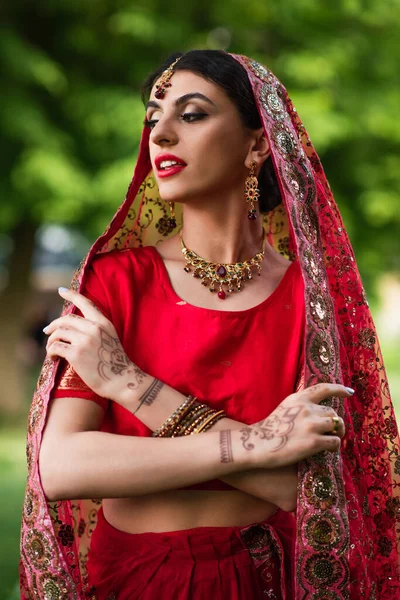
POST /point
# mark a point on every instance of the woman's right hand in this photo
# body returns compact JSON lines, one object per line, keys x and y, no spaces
{"x":298,"y":428}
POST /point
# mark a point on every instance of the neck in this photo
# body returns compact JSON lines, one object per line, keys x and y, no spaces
{"x":221,"y":233}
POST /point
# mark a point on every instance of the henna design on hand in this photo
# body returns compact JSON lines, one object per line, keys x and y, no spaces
{"x":92,"y":304}
{"x":277,"y":426}
{"x":225,"y":446}
{"x":139,"y":376}
{"x":150,"y":394}
{"x":114,"y":358}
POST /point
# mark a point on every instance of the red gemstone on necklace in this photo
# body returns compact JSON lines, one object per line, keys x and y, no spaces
{"x":221,"y":295}
{"x":221,"y":271}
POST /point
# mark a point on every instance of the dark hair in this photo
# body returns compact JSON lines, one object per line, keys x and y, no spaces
{"x":223,"y":70}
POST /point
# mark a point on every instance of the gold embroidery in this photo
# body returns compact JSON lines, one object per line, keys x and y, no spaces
{"x":260,"y":71}
{"x":319,"y":308}
{"x":319,"y":489}
{"x":56,"y":587}
{"x":31,"y":506}
{"x":35,"y":413}
{"x":272,"y":103}
{"x":285,"y":142}
{"x":323,"y":531}
{"x":70,"y":380}
{"x":308,"y":223}
{"x":294,"y":180}
{"x":38,"y":549}
{"x":367,"y":338}
{"x":323,"y":568}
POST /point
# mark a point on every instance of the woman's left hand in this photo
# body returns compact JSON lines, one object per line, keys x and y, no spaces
{"x":92,"y":347}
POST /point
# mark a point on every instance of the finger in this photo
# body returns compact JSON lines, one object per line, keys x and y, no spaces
{"x":63,"y":334}
{"x":86,"y":306}
{"x":318,"y":392}
{"x":331,"y":443}
{"x":329,"y":425}
{"x":323,"y":411}
{"x":73,"y":322}
{"x":59,"y":349}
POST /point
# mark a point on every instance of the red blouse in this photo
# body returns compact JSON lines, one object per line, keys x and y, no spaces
{"x":245,"y":362}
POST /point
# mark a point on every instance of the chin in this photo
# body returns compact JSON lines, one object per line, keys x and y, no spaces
{"x":172,"y":193}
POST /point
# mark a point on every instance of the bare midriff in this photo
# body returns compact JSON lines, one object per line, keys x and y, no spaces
{"x":185,"y":509}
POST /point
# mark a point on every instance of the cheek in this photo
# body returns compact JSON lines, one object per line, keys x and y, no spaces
{"x":220,"y":148}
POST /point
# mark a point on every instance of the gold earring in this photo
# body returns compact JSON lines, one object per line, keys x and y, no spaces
{"x":172,"y":218}
{"x":251,"y":192}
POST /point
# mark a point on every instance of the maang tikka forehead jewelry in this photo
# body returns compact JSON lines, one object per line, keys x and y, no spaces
{"x":251,"y":192}
{"x":163,"y":82}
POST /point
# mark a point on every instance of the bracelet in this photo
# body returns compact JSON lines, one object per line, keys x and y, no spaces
{"x":189,"y":418}
{"x":192,"y":416}
{"x":168,"y":427}
{"x":197,"y":422}
{"x":208,"y":423}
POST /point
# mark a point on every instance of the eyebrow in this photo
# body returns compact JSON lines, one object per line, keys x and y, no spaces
{"x":182,"y":100}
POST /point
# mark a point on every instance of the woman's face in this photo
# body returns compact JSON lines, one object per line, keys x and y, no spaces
{"x":197,"y":125}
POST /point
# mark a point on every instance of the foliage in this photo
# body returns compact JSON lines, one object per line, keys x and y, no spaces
{"x":13,"y":477}
{"x":71,"y":116}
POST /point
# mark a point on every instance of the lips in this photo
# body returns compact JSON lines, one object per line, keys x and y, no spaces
{"x":162,"y":158}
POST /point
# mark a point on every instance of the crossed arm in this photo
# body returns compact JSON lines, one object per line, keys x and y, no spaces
{"x":158,"y":401}
{"x":267,"y":451}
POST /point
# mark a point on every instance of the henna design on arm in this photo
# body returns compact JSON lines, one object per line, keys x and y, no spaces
{"x":114,"y":358}
{"x":225,"y":446}
{"x":277,"y":427}
{"x":150,"y":394}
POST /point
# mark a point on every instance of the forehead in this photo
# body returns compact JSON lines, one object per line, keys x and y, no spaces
{"x":186,"y":82}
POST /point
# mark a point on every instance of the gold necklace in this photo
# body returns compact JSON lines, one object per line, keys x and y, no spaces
{"x":216,"y":275}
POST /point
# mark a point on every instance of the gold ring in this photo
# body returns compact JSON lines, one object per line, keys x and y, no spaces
{"x":336,"y":423}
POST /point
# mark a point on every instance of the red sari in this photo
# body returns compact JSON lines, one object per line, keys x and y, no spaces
{"x":347,"y":542}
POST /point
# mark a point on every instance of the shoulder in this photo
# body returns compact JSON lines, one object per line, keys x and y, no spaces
{"x":277,"y":267}
{"x":121,"y":272}
{"x":115,"y":263}
{"x":113,"y":277}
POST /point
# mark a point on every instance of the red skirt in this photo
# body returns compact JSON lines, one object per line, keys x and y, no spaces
{"x":222,"y":563}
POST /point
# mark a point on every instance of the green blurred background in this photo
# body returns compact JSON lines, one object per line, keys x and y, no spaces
{"x":71,"y":116}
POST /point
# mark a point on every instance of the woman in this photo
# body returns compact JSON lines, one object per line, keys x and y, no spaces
{"x":255,"y":371}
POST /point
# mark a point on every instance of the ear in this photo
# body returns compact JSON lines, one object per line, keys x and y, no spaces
{"x":259,"y":149}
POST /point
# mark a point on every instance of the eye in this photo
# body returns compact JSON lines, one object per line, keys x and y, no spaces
{"x":150,"y":123}
{"x":188,"y":117}
{"x":191,"y":117}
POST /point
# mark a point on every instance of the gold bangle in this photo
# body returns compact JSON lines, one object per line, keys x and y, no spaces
{"x":192,"y":414}
{"x":216,"y":416}
{"x":169,"y":425}
{"x":191,"y":429}
{"x":190,"y":419}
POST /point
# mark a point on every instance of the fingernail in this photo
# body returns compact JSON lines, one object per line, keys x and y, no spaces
{"x":62,"y":290}
{"x":45,"y":329}
{"x":350,"y":390}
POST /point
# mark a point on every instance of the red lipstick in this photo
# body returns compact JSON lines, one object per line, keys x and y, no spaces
{"x":169,"y":170}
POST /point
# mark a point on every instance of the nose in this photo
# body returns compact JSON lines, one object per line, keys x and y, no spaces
{"x":164,"y":133}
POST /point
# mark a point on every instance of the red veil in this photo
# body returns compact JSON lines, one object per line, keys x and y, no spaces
{"x":349,"y":503}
